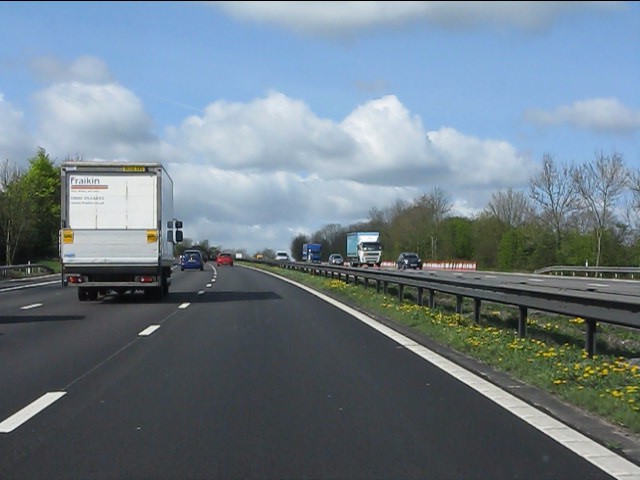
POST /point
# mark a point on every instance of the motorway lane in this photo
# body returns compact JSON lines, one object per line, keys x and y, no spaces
{"x":581,"y":285}
{"x":258,"y":379}
{"x":49,"y":339}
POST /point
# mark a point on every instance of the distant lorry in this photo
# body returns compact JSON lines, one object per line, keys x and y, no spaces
{"x":117,"y":229}
{"x":364,"y":248}
{"x":311,"y":252}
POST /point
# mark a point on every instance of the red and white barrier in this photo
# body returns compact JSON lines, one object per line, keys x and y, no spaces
{"x":452,"y":265}
{"x":448,"y":265}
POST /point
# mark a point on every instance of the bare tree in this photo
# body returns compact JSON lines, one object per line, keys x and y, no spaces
{"x":511,"y":207}
{"x":436,"y":205}
{"x":632,"y":213}
{"x":600,"y":186}
{"x":553,"y":190}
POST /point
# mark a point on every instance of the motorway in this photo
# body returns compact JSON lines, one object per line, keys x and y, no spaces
{"x":239,"y":374}
{"x":607,"y":287}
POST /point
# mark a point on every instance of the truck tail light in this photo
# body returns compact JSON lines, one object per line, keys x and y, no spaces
{"x":145,"y":279}
{"x":75,"y":279}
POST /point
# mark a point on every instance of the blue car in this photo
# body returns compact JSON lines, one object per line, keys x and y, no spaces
{"x":192,"y":260}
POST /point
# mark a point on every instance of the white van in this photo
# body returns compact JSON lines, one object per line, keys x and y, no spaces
{"x":282,"y":256}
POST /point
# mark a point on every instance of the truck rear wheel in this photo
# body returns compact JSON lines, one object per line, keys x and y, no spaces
{"x":154,"y":293}
{"x":83,"y":294}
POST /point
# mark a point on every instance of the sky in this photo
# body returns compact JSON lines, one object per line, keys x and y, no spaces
{"x":276,"y":119}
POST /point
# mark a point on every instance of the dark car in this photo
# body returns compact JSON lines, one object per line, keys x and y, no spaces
{"x":192,"y":260}
{"x":224,"y":258}
{"x":408,"y":260}
{"x":336,"y":259}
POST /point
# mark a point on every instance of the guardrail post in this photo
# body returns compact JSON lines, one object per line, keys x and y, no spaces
{"x":590,"y":339}
{"x":522,"y":322}
{"x":400,"y":292}
{"x":432,"y":298}
{"x":420,"y":295}
{"x":476,"y":310}
{"x":386,"y":288}
{"x":378,"y":285}
{"x":459,"y":303}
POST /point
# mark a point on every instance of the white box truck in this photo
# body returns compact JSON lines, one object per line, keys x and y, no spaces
{"x":364,"y":248}
{"x":117,"y":229}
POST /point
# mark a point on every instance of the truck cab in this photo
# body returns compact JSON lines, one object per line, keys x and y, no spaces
{"x":364,"y":248}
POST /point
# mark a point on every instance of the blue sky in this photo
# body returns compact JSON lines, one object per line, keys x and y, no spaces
{"x":278,"y":118}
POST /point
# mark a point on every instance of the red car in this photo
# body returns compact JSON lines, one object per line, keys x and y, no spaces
{"x":224,"y":259}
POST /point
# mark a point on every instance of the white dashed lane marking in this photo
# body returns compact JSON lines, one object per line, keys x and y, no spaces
{"x":31,"y":410}
{"x":29,"y":307}
{"x":149,"y":330}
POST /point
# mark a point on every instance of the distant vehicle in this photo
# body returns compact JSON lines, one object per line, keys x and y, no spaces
{"x":312,"y":252}
{"x":192,"y":260}
{"x":282,"y":256}
{"x":224,"y":258}
{"x":336,"y":259}
{"x":364,"y":248}
{"x":408,"y":260}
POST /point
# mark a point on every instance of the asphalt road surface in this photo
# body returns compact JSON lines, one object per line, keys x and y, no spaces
{"x":238,"y":374}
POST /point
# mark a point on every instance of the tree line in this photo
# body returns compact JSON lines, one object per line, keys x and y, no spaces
{"x":569,"y":214}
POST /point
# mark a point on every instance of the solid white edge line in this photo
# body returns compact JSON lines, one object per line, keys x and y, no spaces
{"x":31,"y":285}
{"x":31,"y":410}
{"x":598,"y":455}
{"x":149,"y":330}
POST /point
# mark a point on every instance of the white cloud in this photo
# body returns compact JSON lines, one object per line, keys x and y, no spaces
{"x":93,"y":121}
{"x":265,"y":134}
{"x":346,"y":18}
{"x":599,"y":115}
{"x":473,"y":163}
{"x":16,"y":144}
{"x":253,"y":175}
{"x":256,"y":210}
{"x":266,"y":167}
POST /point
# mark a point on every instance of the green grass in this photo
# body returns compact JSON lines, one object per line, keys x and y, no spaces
{"x":53,"y":264}
{"x":551,"y":357}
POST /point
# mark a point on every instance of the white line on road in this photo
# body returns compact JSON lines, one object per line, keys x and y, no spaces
{"x":29,"y":307}
{"x":31,"y":285}
{"x":31,"y":410}
{"x":184,"y":305}
{"x":597,"y":285}
{"x":535,"y":280}
{"x":200,"y":292}
{"x":149,"y":330}
{"x":208,"y":285}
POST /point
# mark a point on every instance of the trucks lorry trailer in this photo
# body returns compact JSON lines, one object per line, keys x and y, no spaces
{"x":364,"y":248}
{"x":117,"y":229}
{"x":311,"y":252}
